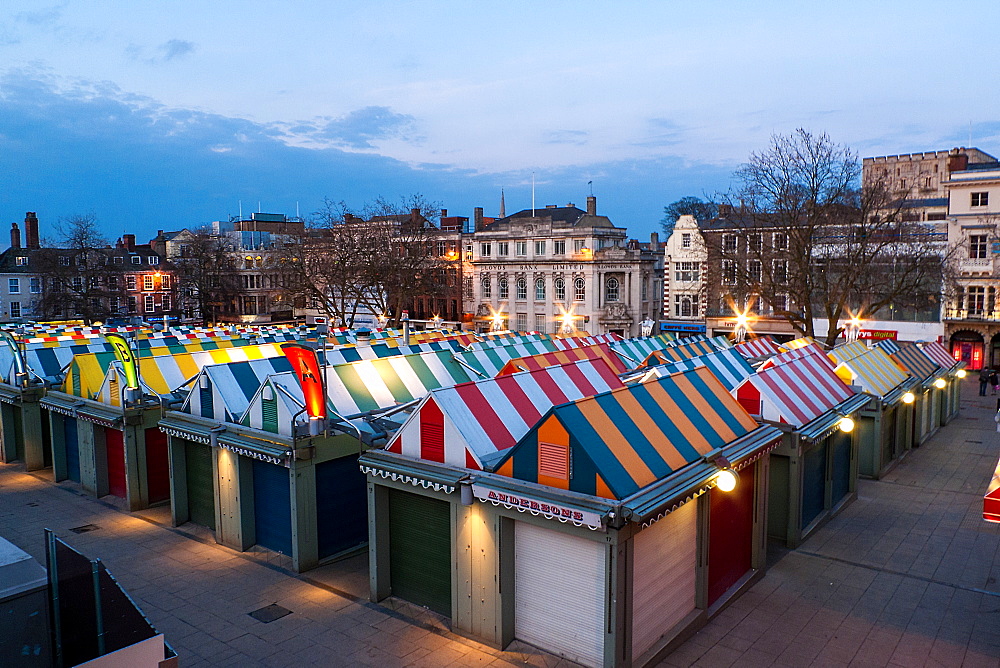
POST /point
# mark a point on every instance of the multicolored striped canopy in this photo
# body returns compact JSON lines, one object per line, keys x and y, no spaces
{"x":914,"y":361}
{"x":869,"y":368}
{"x":628,"y":438}
{"x":729,"y":366}
{"x":594,"y":351}
{"x":760,"y":347}
{"x":798,"y":390}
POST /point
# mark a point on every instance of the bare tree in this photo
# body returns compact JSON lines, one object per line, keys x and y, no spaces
{"x":801,"y":238}
{"x":690,"y":206}
{"x":205,"y":268}
{"x":78,"y":280}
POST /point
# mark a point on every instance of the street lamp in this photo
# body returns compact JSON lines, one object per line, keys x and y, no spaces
{"x":567,"y":323}
{"x":496,"y":325}
{"x":742,"y":325}
{"x":852,"y":329}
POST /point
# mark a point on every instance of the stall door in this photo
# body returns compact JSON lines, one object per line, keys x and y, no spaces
{"x":559,"y":593}
{"x":341,"y":506}
{"x":272,"y":505}
{"x":420,"y":550}
{"x":813,"y":483}
{"x":730,"y":535}
{"x":72,"y":441}
{"x":841,"y":444}
{"x":157,"y":466}
{"x":889,"y":447}
{"x":115,"y":446}
{"x":200,"y":484}
{"x":663,"y":576}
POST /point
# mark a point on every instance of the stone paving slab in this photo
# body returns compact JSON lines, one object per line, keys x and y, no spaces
{"x":907,"y":575}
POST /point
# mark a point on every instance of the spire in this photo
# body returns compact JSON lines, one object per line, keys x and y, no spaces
{"x":503,"y":208}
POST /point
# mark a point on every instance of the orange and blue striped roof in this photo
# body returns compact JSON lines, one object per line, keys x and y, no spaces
{"x":728,"y":366}
{"x":596,"y":351}
{"x":676,"y":353}
{"x":628,"y":438}
{"x":915,"y":361}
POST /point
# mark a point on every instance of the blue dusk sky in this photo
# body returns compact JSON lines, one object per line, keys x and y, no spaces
{"x":169,"y":114}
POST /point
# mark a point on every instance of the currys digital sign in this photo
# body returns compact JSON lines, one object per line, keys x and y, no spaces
{"x":306,"y":366}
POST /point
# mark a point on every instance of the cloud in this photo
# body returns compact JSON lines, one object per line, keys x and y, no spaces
{"x":172,"y":49}
{"x":41,"y":17}
{"x":361,"y":127}
{"x":573,"y":137}
{"x":661,"y":132}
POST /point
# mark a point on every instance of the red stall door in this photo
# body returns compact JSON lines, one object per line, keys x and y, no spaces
{"x":115,"y":442}
{"x":157,"y":466}
{"x":730,"y":535}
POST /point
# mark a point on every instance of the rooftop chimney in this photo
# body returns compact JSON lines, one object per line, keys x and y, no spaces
{"x":654,"y":241}
{"x":958,"y":160}
{"x":128,"y":241}
{"x":31,"y":230}
{"x":478,"y":217}
{"x":444,"y":213}
{"x":15,"y":236}
{"x":592,"y":205}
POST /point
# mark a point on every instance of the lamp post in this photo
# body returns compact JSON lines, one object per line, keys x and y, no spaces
{"x":566,"y":320}
{"x":496,"y":325}
{"x":852,"y":329}
{"x":742,"y":325}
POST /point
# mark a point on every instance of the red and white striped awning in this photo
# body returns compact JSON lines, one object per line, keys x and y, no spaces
{"x":799,"y":389}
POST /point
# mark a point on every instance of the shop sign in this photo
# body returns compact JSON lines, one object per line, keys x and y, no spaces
{"x":671,"y":326}
{"x":878,"y":334}
{"x":538,"y":507}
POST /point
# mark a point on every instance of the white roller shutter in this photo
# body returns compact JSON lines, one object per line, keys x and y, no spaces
{"x":663,"y":576}
{"x":559,"y":593}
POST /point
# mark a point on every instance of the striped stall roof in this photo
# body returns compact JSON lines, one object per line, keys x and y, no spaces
{"x":610,"y":337}
{"x":798,"y":353}
{"x":720,"y":342}
{"x":382,"y":383}
{"x":937,"y":352}
{"x":677,"y":353}
{"x":628,"y":438}
{"x":729,"y":366}
{"x":888,"y":345}
{"x":800,"y":389}
{"x":596,"y":351}
{"x":165,"y":373}
{"x":634,"y":351}
{"x":760,"y":347}
{"x":798,"y":343}
{"x":509,"y":339}
{"x":483,"y":418}
{"x":916,"y":362}
{"x":222,"y":392}
{"x":846,"y":351}
{"x":491,"y":359}
{"x":871,"y":369}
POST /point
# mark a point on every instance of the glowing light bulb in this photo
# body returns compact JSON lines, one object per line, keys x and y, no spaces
{"x":846,"y":425}
{"x":939,"y":383}
{"x":726,"y":480}
{"x":908,"y":398}
{"x":960,"y":373}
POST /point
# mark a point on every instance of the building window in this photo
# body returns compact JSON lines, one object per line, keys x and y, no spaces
{"x":754,"y":271}
{"x":780,"y":241}
{"x":612,"y":290}
{"x":685,"y":306}
{"x":522,"y":289}
{"x":521,"y":248}
{"x":14,"y":285}
{"x":136,"y":259}
{"x":133,"y":305}
{"x":64,"y":260}
{"x":539,"y":289}
{"x":976,"y":299}
{"x":503,"y":248}
{"x":779,"y":303}
{"x":165,"y":282}
{"x":578,"y":245}
{"x":755,"y":242}
{"x":15,"y":309}
{"x":644,"y":291}
{"x":729,"y":243}
{"x":780,"y":270}
{"x":487,"y":288}
{"x":78,"y":283}
{"x":560,"y":287}
{"x":686,"y":240}
{"x":522,"y":322}
{"x":580,"y":287}
{"x":980,"y":199}
{"x":153,"y":259}
{"x":503,"y":288}
{"x":35,"y":284}
{"x":485,"y":249}
{"x":166,"y":302}
{"x":539,"y":249}
{"x":977,"y":246}
{"x":559,"y":247}
{"x":130,"y":282}
{"x":150,"y":304}
{"x":686,"y":271}
{"x":21,"y":260}
{"x":147,"y":282}
{"x":440,"y":248}
{"x":729,"y":272}
{"x":118,"y":259}
{"x":540,"y":323}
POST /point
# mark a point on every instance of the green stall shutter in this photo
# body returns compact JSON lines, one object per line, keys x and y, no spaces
{"x":420,"y":550}
{"x":269,"y":415}
{"x":841,"y":444}
{"x":813,"y":483}
{"x":200,"y":484}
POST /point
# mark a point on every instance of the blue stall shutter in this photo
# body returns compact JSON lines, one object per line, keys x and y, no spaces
{"x":272,"y":507}
{"x":72,"y":448}
{"x":341,"y":506}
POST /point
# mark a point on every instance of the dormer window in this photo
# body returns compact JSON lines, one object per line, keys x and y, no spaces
{"x":136,"y":259}
{"x":153,"y":259}
{"x":21,"y":260}
{"x":119,"y":259}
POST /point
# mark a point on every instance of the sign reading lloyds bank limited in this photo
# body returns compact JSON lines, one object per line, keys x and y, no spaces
{"x":540,"y":265}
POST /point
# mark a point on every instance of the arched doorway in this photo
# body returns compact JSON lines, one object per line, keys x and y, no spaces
{"x":969,"y":347}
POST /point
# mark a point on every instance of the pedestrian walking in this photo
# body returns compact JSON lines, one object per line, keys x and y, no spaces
{"x":984,"y":380}
{"x":994,"y":380}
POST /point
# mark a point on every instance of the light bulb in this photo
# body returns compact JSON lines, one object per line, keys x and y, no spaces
{"x":908,"y":398}
{"x":846,"y":425}
{"x":726,"y":480}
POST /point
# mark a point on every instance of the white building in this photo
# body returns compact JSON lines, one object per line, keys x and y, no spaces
{"x":684,"y":293}
{"x":536,"y":270}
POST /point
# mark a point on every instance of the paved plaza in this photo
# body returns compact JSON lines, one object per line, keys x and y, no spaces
{"x":904,"y":576}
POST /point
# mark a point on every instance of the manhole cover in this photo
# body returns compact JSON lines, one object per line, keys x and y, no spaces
{"x":85,"y":528}
{"x":269,"y":613}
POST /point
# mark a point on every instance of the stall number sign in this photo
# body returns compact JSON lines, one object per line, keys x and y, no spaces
{"x":546,"y":508}
{"x":877,"y":334}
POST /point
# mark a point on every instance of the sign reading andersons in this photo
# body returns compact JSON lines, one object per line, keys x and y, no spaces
{"x":546,"y":508}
